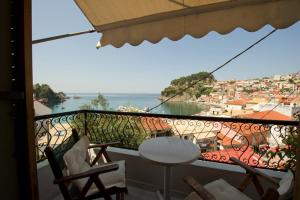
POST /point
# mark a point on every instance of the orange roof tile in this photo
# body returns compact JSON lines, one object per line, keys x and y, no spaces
{"x":154,"y":124}
{"x":240,"y":102}
{"x":268,"y":114}
{"x":233,"y":133}
{"x":230,"y":138}
{"x":243,"y":153}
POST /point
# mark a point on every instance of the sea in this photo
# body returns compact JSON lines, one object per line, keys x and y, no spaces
{"x":140,"y":101}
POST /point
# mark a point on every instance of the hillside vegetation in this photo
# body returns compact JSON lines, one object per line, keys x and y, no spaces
{"x":44,"y":93}
{"x":203,"y":87}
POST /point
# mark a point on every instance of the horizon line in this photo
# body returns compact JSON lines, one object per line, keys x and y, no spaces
{"x":112,"y":92}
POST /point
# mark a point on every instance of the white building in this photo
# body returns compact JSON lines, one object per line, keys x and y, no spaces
{"x":287,"y":110}
{"x":235,"y":105}
{"x":276,"y":77}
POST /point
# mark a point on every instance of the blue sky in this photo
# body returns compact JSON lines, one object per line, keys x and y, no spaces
{"x":74,"y":64}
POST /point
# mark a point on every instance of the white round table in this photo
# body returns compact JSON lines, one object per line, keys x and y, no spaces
{"x":169,"y":151}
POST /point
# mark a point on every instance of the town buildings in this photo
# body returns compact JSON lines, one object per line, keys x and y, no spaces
{"x":235,"y":98}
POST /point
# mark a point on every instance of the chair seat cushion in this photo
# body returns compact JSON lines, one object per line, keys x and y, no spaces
{"x":109,"y":179}
{"x":221,"y":190}
{"x":286,"y":186}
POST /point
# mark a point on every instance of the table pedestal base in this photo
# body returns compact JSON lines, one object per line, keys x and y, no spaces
{"x":167,"y":182}
{"x":172,"y":151}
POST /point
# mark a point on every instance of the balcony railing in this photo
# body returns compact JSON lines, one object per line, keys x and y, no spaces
{"x":218,"y":138}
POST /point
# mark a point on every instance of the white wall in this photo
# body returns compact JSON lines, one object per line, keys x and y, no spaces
{"x":283,"y":109}
{"x":233,"y":107}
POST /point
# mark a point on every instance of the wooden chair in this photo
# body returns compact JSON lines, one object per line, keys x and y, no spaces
{"x":193,"y":196}
{"x":220,"y":189}
{"x":92,"y":179}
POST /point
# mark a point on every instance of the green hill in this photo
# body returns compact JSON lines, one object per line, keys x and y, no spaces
{"x":43,"y":92}
{"x":201,"y":88}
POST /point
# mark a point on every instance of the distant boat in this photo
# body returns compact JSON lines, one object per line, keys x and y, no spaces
{"x":146,"y":109}
{"x":76,"y":97}
{"x":62,"y":105}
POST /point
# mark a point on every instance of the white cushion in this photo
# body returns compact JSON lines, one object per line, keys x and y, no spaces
{"x":222,"y":190}
{"x":75,"y":158}
{"x":93,"y":154}
{"x":286,"y":185}
{"x":111,"y":179}
{"x":76,"y":162}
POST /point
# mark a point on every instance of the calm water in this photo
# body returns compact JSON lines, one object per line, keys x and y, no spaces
{"x":136,"y":100}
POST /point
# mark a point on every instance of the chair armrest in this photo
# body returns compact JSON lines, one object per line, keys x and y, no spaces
{"x":104,"y":145}
{"x":254,"y":171}
{"x":102,"y":151}
{"x":198,"y":188}
{"x":92,"y":172}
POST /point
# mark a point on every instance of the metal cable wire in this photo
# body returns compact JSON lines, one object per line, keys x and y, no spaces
{"x":61,"y":36}
{"x":218,"y":68}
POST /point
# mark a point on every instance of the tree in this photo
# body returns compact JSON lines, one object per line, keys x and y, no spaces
{"x":292,"y":81}
{"x":169,"y":91}
{"x":248,"y":90}
{"x":104,"y":128}
{"x":288,"y":90}
{"x":45,"y":93}
{"x":85,"y":107}
{"x":288,"y":153}
{"x":201,"y":79}
{"x":61,"y":95}
{"x":100,"y":101}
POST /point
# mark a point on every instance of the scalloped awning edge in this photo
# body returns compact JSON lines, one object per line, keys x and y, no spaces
{"x":279,"y":14}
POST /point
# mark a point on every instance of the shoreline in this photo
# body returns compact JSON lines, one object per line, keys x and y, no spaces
{"x":176,"y":100}
{"x":139,"y":101}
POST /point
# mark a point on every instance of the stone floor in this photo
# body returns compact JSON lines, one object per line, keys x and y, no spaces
{"x":135,"y":193}
{"x":50,"y":191}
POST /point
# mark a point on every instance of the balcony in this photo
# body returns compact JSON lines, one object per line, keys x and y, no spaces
{"x":218,"y":138}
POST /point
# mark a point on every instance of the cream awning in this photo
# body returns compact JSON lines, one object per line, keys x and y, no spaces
{"x":133,"y":21}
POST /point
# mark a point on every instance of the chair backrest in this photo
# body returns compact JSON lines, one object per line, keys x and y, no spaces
{"x":55,"y":156}
{"x":286,"y":186}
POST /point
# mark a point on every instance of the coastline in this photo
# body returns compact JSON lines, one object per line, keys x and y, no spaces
{"x":181,"y":99}
{"x":139,"y":101}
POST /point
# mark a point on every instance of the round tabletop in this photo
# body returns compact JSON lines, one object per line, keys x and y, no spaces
{"x":169,"y":150}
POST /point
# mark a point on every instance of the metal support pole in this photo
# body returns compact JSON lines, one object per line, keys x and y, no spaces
{"x":167,"y":182}
{"x":61,"y":36}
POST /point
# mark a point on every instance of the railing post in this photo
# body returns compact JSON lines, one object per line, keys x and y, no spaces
{"x":297,"y":175}
{"x":85,"y":123}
